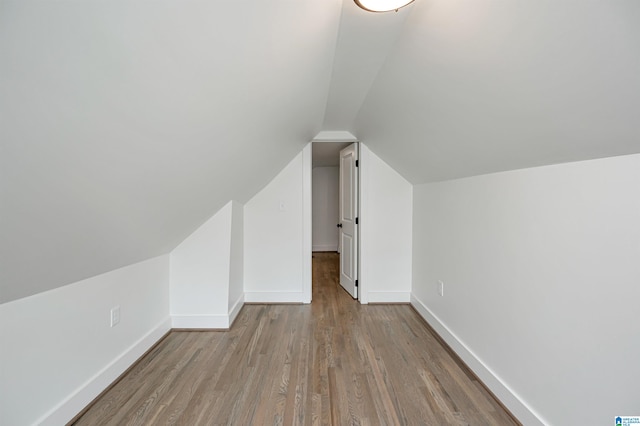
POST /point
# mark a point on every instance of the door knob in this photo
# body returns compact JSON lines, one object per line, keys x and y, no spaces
{"x":339,"y":225}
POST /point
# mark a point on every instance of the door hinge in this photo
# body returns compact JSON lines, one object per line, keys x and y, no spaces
{"x":356,"y":220}
{"x":356,"y":163}
{"x":356,"y":283}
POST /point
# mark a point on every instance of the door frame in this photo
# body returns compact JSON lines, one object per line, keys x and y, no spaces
{"x":307,"y":225}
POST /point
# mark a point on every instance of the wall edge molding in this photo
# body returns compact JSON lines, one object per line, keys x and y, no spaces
{"x":235,"y":309}
{"x":525,"y":414}
{"x":73,"y":404}
{"x":273,"y":297}
{"x":200,"y":321}
{"x":307,"y":224}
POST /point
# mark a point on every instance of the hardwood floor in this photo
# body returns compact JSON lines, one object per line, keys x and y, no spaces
{"x":334,"y":362}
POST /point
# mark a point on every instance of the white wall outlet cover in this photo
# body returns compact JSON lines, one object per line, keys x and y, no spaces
{"x":440,"y":288}
{"x":115,"y":315}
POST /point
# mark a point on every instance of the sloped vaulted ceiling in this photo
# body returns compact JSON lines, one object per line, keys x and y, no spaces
{"x":125,"y":124}
{"x":474,"y":87}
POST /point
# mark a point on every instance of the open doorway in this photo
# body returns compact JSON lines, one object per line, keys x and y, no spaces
{"x":334,"y":184}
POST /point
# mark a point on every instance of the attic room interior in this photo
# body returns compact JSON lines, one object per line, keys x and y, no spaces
{"x":156,"y":173}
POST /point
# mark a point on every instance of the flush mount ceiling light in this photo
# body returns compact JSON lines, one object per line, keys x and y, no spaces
{"x":382,"y":5}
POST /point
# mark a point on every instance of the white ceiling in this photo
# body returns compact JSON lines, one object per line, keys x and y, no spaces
{"x":125,"y":124}
{"x":364,"y":41}
{"x":474,"y":87}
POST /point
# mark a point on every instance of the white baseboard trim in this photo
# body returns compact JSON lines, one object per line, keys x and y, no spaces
{"x":389,"y":297}
{"x":525,"y":414}
{"x":76,"y":402}
{"x":273,"y":297}
{"x":235,"y":309}
{"x":218,"y":322}
{"x":325,"y":247}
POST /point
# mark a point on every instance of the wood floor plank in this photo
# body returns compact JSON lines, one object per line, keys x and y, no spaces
{"x":334,"y":362}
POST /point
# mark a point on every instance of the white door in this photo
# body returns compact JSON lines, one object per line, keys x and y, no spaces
{"x":349,"y":219}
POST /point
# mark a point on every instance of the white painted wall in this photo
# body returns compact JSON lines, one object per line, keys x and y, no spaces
{"x":59,"y":351}
{"x":541,"y":271}
{"x":273,"y":239}
{"x":236,"y":281}
{"x":386,"y":208}
{"x":200,"y":270}
{"x":325,"y":190}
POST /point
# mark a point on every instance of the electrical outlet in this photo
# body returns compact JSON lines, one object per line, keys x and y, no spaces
{"x":440,"y":288}
{"x":115,"y":315}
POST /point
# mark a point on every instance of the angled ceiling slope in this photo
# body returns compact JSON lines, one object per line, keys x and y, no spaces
{"x":124,"y":125}
{"x":365,"y":40}
{"x":474,"y":87}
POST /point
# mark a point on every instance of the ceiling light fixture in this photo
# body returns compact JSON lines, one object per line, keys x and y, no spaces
{"x":382,"y":5}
